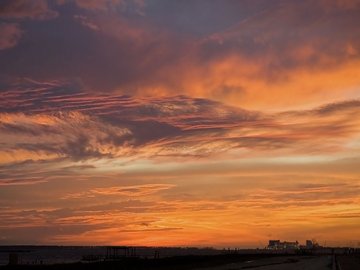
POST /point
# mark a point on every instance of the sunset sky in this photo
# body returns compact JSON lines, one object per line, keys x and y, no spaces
{"x":220,"y":123}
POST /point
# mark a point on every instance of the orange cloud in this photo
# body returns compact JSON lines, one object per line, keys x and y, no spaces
{"x":262,"y":143}
{"x":233,"y":222}
{"x":84,"y":126}
{"x":286,"y":55}
{"x":131,"y":191}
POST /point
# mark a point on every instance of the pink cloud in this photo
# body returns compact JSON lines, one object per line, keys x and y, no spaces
{"x":10,"y":34}
{"x":27,"y":9}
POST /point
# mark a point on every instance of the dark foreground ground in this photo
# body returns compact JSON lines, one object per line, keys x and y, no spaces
{"x":217,"y":262}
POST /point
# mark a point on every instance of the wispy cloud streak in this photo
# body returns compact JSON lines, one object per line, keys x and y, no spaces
{"x":47,"y":121}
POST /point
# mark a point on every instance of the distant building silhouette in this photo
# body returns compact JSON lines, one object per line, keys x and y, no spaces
{"x":277,"y":244}
{"x":311,"y":244}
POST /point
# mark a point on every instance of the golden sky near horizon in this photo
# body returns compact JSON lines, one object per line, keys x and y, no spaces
{"x":179,"y":123}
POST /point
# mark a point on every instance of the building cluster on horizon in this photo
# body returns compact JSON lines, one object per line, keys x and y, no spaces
{"x":278,"y":245}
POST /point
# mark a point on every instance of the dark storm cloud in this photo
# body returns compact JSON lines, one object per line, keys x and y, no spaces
{"x":111,"y":45}
{"x":201,"y":17}
{"x":292,"y":34}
